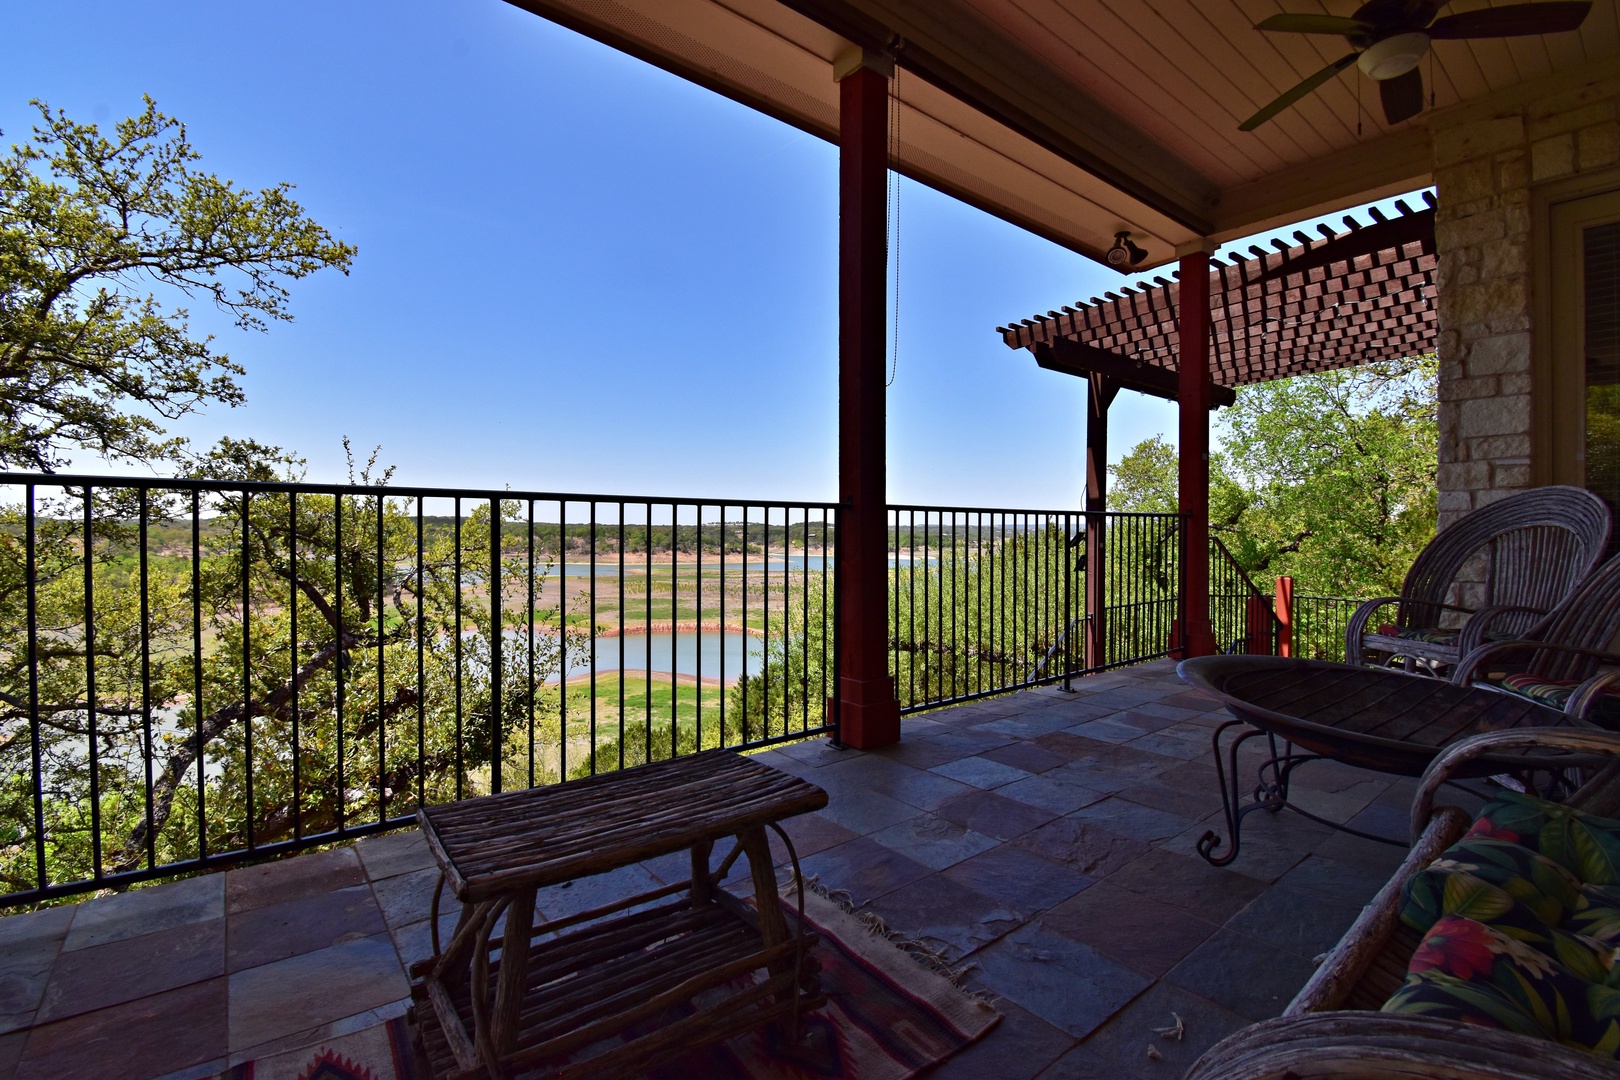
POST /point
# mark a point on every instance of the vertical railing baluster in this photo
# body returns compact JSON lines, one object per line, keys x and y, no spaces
{"x":421,"y":656}
{"x":196,"y":670}
{"x":382,"y":682}
{"x":87,"y":549}
{"x":497,"y":641}
{"x":149,"y":750}
{"x":31,"y":587}
{"x":533,"y":687}
{"x":455,"y":592}
{"x":292,"y":645}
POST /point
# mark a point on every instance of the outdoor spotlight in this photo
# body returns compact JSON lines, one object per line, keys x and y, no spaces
{"x":1124,"y":254}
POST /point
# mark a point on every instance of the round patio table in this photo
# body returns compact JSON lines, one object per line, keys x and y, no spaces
{"x":1387,"y":721}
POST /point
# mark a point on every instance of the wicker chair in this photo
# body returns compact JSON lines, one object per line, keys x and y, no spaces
{"x":1537,"y":546}
{"x":1570,"y":664}
{"x":1332,"y":1027}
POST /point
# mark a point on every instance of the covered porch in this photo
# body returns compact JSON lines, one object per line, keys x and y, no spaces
{"x":1043,"y":841}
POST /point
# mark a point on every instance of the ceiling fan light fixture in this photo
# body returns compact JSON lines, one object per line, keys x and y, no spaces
{"x":1124,"y":254}
{"x":1392,"y":57}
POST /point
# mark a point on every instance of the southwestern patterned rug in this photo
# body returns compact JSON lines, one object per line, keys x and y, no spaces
{"x":888,"y":1016}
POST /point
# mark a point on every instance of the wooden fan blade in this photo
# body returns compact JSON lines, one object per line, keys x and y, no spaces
{"x":1315,"y":24}
{"x":1515,"y":20}
{"x":1402,"y":96}
{"x":1299,"y":91}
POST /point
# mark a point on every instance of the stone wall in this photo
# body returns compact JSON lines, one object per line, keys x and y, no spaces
{"x":1485,"y":167}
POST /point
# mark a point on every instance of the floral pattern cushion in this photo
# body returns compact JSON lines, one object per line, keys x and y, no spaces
{"x":1521,"y":926}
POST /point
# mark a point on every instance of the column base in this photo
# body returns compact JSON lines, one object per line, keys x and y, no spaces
{"x":869,"y":714}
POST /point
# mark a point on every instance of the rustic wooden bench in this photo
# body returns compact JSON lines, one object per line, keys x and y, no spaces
{"x":616,"y":990}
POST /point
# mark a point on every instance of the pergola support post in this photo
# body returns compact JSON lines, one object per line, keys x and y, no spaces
{"x":868,"y":712}
{"x":1100,"y":393}
{"x":1193,"y":370}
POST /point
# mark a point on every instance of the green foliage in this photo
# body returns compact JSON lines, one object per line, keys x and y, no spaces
{"x":344,"y":676}
{"x":1328,"y":478}
{"x":87,"y":223}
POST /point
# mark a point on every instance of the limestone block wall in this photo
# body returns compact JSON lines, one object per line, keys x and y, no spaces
{"x":1486,"y":167}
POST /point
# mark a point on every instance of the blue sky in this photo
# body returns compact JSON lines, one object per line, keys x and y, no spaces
{"x":576,"y":272}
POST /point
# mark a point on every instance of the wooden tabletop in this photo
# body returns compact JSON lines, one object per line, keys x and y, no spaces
{"x":1369,"y":716}
{"x":547,"y":835}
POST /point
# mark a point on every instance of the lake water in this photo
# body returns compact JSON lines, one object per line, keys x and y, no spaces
{"x":678,"y":653}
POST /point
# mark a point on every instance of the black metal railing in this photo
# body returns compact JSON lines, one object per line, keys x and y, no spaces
{"x":193,"y":672}
{"x":984,"y":600}
{"x":1241,"y":616}
{"x":1319,"y":626}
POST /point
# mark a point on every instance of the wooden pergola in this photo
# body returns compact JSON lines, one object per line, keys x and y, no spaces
{"x":1334,"y":301}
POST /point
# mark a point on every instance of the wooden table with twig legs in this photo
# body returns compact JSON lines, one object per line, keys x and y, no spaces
{"x":616,"y":990}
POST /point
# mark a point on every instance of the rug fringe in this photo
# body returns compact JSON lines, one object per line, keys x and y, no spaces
{"x":875,"y":926}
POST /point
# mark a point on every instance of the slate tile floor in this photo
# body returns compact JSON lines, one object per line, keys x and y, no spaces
{"x":1043,"y":839}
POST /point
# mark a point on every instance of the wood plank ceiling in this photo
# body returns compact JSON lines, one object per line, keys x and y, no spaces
{"x":1078,"y":118}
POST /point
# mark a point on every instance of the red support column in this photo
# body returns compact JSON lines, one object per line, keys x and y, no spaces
{"x":1285,"y":616}
{"x":1193,"y":475}
{"x":869,"y":714}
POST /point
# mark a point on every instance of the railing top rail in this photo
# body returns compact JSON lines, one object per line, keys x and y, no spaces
{"x":412,"y":491}
{"x":936,"y":508}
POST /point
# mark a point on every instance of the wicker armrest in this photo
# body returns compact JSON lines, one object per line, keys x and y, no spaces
{"x":1375,"y":1046}
{"x":1471,"y":663}
{"x":1345,"y":965}
{"x":1480,"y":623}
{"x":1586,"y":743}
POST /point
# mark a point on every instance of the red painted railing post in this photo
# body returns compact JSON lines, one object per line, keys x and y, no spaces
{"x":868,"y":713}
{"x":1285,"y":616}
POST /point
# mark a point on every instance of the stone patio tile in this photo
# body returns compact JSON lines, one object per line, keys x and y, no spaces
{"x":1018,"y":879}
{"x":1027,"y":756}
{"x":322,"y":1032}
{"x":908,"y":784}
{"x":1070,"y":985}
{"x":1188,"y":882}
{"x":1194,"y":805}
{"x":1057,"y":791}
{"x":974,"y":740}
{"x":863,"y":812}
{"x":144,"y":911}
{"x":1334,"y":878}
{"x":394,"y":854}
{"x":921,"y":753}
{"x":1172,"y":712}
{"x":266,"y":934}
{"x":1131,"y":819}
{"x":132,"y":967}
{"x":864,"y":868}
{"x":810,"y":833}
{"x":1149,"y":936}
{"x":981,"y":772}
{"x":813,"y":752}
{"x":1082,"y":845}
{"x":11,"y":1048}
{"x":1305,"y":922}
{"x":948,"y":917}
{"x":1069,"y":746}
{"x":408,"y":898}
{"x":1125,"y":1039}
{"x":1077,"y":709}
{"x":1176,"y":742}
{"x":1027,"y":726}
{"x":1194,"y":776}
{"x":414,"y":941}
{"x":1242,"y":974}
{"x":1144,"y":719}
{"x":1083,"y":1063}
{"x":993,"y":814}
{"x":1383,"y":819}
{"x":933,"y":841}
{"x":148,"y":1036}
{"x":1125,"y":695}
{"x":29,"y":945}
{"x":302,"y":992}
{"x":292,"y":878}
{"x":1019,"y":1047}
{"x":1191,"y":699}
{"x":1381,"y":860}
{"x":1108,"y":730}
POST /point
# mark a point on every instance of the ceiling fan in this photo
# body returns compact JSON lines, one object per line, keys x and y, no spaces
{"x":1390,"y":37}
